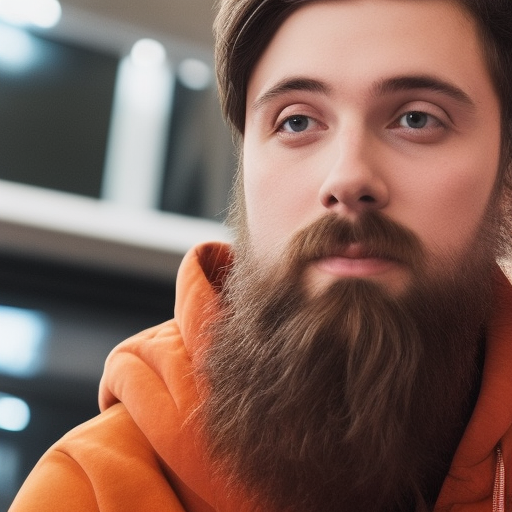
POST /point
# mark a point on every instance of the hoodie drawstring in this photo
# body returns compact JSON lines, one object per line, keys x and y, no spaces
{"x":498,"y":495}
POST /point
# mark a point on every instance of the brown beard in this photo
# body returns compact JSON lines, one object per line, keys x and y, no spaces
{"x":351,"y":400}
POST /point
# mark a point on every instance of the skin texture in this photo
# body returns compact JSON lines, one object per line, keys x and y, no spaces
{"x":328,"y":130}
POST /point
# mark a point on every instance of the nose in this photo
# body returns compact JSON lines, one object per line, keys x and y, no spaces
{"x":355,"y":181}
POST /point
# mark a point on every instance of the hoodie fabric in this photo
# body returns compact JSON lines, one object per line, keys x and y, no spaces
{"x":142,"y":454}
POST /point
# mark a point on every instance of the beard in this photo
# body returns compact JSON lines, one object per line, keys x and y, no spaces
{"x":351,"y":399}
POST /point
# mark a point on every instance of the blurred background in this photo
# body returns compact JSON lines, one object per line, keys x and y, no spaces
{"x":114,"y":161}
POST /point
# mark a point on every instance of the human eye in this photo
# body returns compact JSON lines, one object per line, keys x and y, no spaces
{"x":417,"y":120}
{"x":422,"y":123}
{"x":297,"y":124}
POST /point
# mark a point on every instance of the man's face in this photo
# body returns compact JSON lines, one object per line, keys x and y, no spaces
{"x":362,"y":105}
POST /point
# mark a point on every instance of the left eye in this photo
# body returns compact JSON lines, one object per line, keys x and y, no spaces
{"x":296,"y":124}
{"x":415,"y":120}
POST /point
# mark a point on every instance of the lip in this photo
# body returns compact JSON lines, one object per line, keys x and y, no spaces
{"x":355,"y":261}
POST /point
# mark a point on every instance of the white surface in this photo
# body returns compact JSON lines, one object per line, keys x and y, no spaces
{"x":67,"y":227}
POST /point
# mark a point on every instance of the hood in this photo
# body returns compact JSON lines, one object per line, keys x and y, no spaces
{"x":152,"y":374}
{"x":488,"y":436}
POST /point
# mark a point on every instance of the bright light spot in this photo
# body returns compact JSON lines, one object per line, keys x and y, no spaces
{"x":194,"y":74}
{"x":138,"y":135}
{"x":14,"y":413}
{"x":22,"y":334}
{"x":38,"y":13}
{"x":45,"y":14}
{"x":148,"y":53}
{"x":16,"y":48}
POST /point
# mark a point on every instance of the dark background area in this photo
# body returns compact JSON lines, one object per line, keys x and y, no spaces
{"x":55,"y":116}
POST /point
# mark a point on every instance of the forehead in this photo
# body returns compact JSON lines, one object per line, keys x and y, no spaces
{"x":374,"y":39}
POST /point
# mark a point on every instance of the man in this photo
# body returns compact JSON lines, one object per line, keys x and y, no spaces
{"x":352,"y":350}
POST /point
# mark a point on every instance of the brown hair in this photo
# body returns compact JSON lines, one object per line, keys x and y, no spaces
{"x":243,"y":29}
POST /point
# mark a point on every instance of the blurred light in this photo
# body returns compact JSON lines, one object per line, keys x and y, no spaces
{"x":148,"y":53}
{"x":38,"y":13}
{"x":135,"y":161}
{"x":22,"y":335}
{"x":14,"y":413}
{"x":194,"y":74}
{"x":16,"y":48}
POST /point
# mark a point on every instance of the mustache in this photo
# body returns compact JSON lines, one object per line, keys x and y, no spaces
{"x":378,"y":236}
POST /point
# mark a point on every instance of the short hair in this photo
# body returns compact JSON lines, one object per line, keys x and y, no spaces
{"x":243,"y":29}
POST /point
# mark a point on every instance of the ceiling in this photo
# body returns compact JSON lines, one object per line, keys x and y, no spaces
{"x":189,"y":20}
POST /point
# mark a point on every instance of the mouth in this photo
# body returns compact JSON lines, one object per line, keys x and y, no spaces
{"x":356,"y":260}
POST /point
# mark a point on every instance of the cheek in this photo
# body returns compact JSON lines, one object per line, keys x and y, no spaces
{"x":452,"y":205}
{"x":278,"y":201}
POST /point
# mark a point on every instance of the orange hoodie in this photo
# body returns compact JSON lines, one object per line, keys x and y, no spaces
{"x":140,"y":453}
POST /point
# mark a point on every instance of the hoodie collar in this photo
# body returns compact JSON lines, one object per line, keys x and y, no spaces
{"x":486,"y":446}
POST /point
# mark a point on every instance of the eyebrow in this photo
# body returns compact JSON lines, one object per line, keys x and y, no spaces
{"x":379,"y":88}
{"x":288,"y":85}
{"x":432,"y":83}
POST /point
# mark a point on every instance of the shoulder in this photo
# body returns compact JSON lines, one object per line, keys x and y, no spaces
{"x":105,"y":464}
